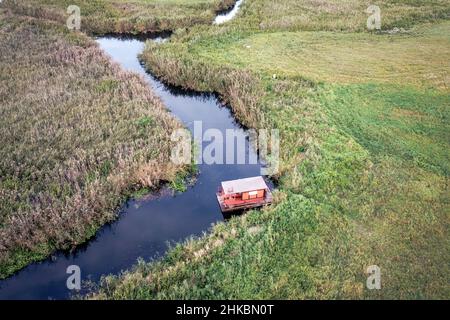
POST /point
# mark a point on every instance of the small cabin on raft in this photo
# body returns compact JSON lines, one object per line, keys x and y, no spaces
{"x":243,"y":194}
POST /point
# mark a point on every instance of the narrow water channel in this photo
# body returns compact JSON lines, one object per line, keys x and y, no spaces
{"x":145,"y":227}
{"x":227,"y":15}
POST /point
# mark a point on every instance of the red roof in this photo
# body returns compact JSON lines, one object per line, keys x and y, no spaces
{"x":244,"y":185}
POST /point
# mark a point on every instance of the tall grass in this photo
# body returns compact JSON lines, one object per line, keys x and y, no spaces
{"x":76,"y":139}
{"x":138,"y":16}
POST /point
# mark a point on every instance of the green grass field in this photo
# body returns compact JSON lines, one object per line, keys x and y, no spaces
{"x":338,"y":15}
{"x":339,"y":57}
{"x":364,"y":122}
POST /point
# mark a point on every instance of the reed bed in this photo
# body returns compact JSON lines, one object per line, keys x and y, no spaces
{"x":136,"y":16}
{"x":79,"y":134}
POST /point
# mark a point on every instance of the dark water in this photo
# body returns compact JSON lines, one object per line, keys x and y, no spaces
{"x":145,"y":227}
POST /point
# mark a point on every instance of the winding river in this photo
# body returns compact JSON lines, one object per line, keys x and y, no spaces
{"x":145,"y":227}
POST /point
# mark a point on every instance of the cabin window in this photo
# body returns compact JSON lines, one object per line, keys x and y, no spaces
{"x":253,"y":194}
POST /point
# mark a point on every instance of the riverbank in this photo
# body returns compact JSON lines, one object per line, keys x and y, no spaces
{"x":79,"y":135}
{"x":364,"y":168}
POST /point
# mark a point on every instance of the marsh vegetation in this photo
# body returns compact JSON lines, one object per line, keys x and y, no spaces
{"x":363,"y":118}
{"x":75,"y":134}
{"x":364,"y":124}
{"x":135,"y":16}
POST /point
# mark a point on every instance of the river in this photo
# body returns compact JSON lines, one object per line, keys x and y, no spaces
{"x":145,"y":227}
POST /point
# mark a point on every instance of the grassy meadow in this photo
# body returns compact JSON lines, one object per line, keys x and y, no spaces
{"x":338,"y":15}
{"x":78,"y":135}
{"x":364,"y":175}
{"x":131,"y":16}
